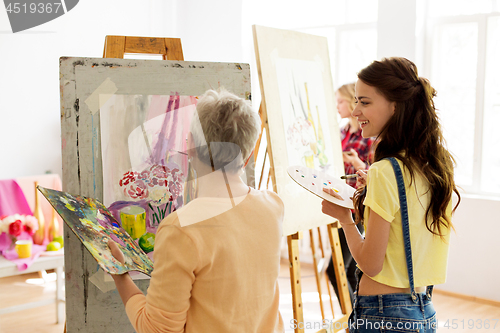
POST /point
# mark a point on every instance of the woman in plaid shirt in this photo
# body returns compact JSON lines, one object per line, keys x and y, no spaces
{"x":356,"y":148}
{"x":356,"y":154}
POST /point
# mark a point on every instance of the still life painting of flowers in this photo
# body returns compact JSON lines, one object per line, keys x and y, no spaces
{"x":305,"y":118}
{"x":144,"y":159}
{"x":93,"y":224}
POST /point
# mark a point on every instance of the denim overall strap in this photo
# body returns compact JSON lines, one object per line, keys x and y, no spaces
{"x":405,"y":223}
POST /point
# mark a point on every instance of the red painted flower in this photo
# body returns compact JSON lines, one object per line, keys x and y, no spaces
{"x":140,"y":185}
{"x":16,"y":228}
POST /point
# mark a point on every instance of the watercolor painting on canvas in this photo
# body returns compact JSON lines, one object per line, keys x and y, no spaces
{"x":304,"y":110}
{"x":145,"y":164}
{"x":298,"y":95}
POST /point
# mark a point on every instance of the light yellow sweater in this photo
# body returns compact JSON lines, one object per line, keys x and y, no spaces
{"x":217,"y":273}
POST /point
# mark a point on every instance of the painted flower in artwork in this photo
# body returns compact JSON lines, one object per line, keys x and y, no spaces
{"x":15,"y":225}
{"x":300,"y":133}
{"x":159,"y":183}
{"x":159,"y":195}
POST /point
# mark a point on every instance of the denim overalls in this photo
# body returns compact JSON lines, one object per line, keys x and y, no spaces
{"x":395,"y":312}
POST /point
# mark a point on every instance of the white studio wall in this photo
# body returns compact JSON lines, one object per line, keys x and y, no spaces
{"x":29,"y":79}
{"x":29,"y":74}
{"x":210,"y":30}
{"x":396,"y":26}
{"x":473,"y":261}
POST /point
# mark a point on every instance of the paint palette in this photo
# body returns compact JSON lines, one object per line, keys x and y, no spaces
{"x":314,"y":181}
{"x":93,"y":224}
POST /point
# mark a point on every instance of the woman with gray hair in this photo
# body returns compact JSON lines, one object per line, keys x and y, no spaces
{"x":217,"y":258}
{"x":231,"y":132}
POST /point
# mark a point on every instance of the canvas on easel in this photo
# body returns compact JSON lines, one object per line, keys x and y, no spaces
{"x":298,"y":102}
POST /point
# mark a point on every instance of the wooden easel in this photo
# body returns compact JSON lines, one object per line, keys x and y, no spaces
{"x":117,"y":46}
{"x":293,"y":251}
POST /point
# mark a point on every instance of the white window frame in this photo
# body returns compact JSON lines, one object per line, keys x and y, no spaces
{"x":348,"y":27}
{"x":339,"y":29}
{"x":481,"y":20}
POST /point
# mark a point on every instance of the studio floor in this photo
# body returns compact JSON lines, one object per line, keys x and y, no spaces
{"x":29,"y":287}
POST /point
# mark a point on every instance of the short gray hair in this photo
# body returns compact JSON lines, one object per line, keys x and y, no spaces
{"x":230,"y":127}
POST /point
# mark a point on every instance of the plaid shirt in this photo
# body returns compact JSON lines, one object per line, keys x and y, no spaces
{"x":360,"y":145}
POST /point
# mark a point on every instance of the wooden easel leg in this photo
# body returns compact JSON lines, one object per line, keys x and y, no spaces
{"x":269,"y":177}
{"x":329,"y":293}
{"x":323,"y":270}
{"x":338,"y":262}
{"x":317,"y":273}
{"x":262,"y":171}
{"x":293,"y":257}
{"x":262,"y":127}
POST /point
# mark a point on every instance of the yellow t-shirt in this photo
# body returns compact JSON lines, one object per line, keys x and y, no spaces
{"x":429,"y":252}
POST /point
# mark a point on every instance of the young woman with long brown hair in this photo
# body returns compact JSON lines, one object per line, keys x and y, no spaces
{"x":405,"y":203}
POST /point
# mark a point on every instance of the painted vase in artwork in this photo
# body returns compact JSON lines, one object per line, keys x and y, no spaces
{"x":133,"y":219}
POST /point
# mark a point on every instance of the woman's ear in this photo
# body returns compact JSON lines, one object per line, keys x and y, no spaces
{"x":393,"y":107}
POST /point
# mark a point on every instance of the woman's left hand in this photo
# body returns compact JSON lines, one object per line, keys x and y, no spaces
{"x":340,"y":213}
{"x":351,"y":157}
{"x":124,"y":284}
{"x":116,"y":252}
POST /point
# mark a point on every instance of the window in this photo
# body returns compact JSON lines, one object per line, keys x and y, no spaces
{"x":490,"y":163}
{"x":454,"y":76}
{"x":352,"y":38}
{"x":462,"y":60}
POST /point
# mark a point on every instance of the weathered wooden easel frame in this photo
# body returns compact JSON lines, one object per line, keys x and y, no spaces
{"x":87,"y":308}
{"x":116,"y":47}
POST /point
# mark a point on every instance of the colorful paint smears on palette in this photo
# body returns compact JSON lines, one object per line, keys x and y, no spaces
{"x":93,"y":224}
